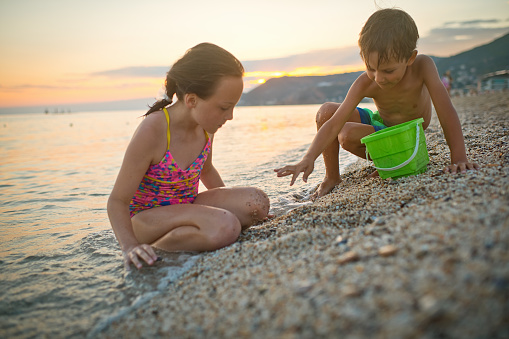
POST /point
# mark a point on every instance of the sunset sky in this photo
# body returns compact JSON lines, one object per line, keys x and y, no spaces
{"x":56,"y":52}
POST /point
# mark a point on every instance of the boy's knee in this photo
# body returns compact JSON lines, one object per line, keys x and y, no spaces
{"x":326,"y":111}
{"x":346,"y":137}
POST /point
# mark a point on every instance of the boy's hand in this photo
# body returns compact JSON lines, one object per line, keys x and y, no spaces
{"x":460,"y":167}
{"x":294,"y":170}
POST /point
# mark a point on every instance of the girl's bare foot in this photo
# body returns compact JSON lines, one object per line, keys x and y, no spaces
{"x":325,"y":187}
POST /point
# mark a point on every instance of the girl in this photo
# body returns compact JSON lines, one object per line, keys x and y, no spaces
{"x":155,"y":198}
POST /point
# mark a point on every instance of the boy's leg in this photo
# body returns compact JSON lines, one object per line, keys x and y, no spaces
{"x":351,"y":135}
{"x":331,"y":153}
{"x":350,"y":139}
{"x":353,"y":131}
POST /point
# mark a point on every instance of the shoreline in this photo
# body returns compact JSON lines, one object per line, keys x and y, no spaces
{"x":420,"y":256}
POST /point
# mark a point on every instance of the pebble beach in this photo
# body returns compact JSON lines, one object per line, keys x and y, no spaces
{"x":423,"y":256}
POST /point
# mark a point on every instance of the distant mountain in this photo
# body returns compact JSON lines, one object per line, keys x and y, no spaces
{"x":465,"y":68}
{"x":300,"y":90}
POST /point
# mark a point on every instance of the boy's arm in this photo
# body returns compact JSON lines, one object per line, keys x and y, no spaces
{"x":327,"y":133}
{"x":448,"y":118}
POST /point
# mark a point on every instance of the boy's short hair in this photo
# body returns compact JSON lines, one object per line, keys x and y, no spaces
{"x":389,"y":32}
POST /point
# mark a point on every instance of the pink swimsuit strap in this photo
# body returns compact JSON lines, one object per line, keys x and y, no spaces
{"x":167,"y":184}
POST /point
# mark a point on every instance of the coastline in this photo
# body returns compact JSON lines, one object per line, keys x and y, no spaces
{"x":421,"y":256}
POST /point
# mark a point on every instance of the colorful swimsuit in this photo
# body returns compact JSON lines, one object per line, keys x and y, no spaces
{"x":166,"y":184}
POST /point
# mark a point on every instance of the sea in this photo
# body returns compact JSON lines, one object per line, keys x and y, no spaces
{"x":61,"y":270}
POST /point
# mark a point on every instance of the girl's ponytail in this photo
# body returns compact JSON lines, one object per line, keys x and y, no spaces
{"x":171,"y":89}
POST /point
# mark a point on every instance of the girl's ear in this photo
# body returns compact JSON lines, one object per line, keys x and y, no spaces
{"x":412,"y":58}
{"x":190,"y":100}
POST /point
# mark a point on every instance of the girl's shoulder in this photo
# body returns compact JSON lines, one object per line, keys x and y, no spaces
{"x":152,"y":127}
{"x":149,"y":139}
{"x":155,"y":120}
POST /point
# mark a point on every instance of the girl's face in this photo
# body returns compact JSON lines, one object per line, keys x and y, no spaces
{"x":212,"y":113}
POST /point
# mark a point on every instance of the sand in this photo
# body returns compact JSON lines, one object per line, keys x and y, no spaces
{"x":423,"y":256}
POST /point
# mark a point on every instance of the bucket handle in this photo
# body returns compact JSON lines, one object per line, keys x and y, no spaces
{"x":417,"y":137}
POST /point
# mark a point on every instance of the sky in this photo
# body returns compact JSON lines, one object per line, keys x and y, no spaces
{"x":59,"y":52}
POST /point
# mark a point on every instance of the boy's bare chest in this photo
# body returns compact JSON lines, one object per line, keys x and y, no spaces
{"x":403,"y":103}
{"x":405,"y":96}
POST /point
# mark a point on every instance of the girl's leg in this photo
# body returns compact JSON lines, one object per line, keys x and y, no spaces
{"x":248,"y":204}
{"x":186,"y":227}
{"x":213,"y":221}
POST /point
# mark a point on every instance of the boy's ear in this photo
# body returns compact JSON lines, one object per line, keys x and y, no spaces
{"x":412,"y":58}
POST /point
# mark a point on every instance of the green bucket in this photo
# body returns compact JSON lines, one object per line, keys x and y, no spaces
{"x":398,"y":151}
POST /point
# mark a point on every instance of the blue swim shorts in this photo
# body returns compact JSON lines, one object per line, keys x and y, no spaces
{"x":371,"y":118}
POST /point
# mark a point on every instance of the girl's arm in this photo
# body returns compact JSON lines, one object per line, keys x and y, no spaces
{"x":210,"y":177}
{"x":137,"y":159}
{"x":448,"y":118}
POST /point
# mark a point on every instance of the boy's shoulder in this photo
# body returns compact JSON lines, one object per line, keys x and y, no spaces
{"x":423,"y":67}
{"x":423,"y":60}
{"x":363,"y":80}
{"x":424,"y":57}
{"x":364,"y":85}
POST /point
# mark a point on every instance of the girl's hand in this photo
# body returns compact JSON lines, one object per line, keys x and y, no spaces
{"x":294,"y":170}
{"x":134,"y":254}
{"x":461,"y":167}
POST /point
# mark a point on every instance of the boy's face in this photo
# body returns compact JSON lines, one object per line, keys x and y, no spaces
{"x":386,"y":74}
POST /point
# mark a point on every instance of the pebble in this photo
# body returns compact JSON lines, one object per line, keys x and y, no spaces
{"x":447,"y":237}
{"x":347,"y":257}
{"x":387,"y":250}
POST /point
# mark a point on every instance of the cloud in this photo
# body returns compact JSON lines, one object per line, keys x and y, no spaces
{"x":473,"y":22}
{"x":324,"y":58}
{"x":454,"y":38}
{"x":24,"y":87}
{"x":451,"y":34}
{"x":135,"y":72}
{"x":78,"y":86}
{"x":318,"y":62}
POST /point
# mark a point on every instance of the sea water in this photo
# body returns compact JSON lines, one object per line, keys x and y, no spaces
{"x":61,"y":271}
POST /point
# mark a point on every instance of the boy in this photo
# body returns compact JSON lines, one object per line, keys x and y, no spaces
{"x":402,"y":85}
